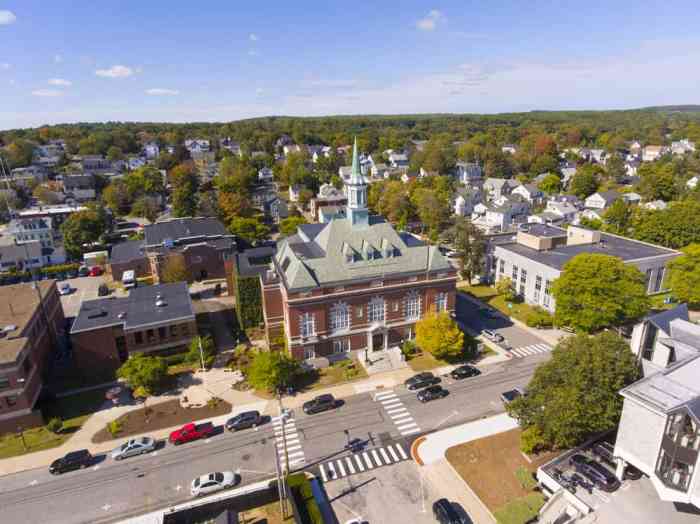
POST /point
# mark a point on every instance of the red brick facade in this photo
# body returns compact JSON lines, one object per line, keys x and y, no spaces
{"x":203,"y":262}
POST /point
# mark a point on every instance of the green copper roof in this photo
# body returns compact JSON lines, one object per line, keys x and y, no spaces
{"x":355,"y":174}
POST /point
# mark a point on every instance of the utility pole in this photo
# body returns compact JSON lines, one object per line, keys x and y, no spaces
{"x":201,"y":352}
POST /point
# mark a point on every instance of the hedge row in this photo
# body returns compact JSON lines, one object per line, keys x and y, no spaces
{"x":248,"y":301}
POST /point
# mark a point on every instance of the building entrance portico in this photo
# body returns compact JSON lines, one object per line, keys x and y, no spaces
{"x":378,"y":339}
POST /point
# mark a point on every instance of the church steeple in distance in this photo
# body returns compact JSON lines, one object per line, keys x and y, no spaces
{"x":356,"y":191}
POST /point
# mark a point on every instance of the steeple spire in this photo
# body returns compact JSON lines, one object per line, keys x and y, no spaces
{"x":356,"y":191}
{"x":355,"y":174}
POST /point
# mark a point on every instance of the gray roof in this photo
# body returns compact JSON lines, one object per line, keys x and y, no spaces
{"x":138,"y":310}
{"x":616,"y":246}
{"x":183,"y":228}
{"x":127,"y":251}
{"x":662,"y":320}
{"x":79,"y":182}
{"x":608,"y":196}
{"x":255,"y":261}
{"x":316,"y":255}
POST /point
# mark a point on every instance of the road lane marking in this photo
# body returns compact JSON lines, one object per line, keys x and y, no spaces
{"x":323,"y":473}
{"x":401,"y":451}
{"x":392,"y":453}
{"x":367,"y":460}
{"x":360,"y":465}
{"x":376,"y":457}
{"x":410,"y":431}
{"x":351,"y":468}
{"x":384,"y":454}
{"x":341,"y":468}
{"x":331,"y":471}
{"x":407,"y":425}
{"x":34,"y":483}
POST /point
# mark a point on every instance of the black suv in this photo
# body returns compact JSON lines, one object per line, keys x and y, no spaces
{"x":601,"y":476}
{"x":445,"y":513}
{"x":74,"y":460}
{"x":421,"y":380}
{"x":432,"y":393}
{"x":247,"y":419}
{"x":604,"y":451}
{"x":465,"y":371}
{"x":319,"y":404}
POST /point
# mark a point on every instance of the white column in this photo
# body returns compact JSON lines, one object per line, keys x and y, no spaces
{"x":620,"y":469}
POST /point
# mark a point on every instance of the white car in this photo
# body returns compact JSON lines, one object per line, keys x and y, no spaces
{"x":136,"y":446}
{"x":64,"y":288}
{"x":213,"y":482}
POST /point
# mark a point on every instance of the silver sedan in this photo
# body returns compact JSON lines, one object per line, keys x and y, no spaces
{"x":136,"y":446}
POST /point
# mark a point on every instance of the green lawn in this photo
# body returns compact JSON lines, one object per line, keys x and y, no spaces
{"x":336,"y":373}
{"x":73,"y":410}
{"x":489,"y":295}
{"x":520,"y":510}
{"x":425,"y":361}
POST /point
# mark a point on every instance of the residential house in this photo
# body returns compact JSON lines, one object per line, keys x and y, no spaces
{"x":135,"y":162}
{"x":266,"y":175}
{"x":598,"y":156}
{"x":502,"y":214}
{"x":57,"y":214}
{"x":203,"y":245}
{"x":291,"y":148}
{"x":511,"y":149}
{"x":529,"y":192}
{"x":631,"y":198}
{"x":379,"y":170}
{"x":79,"y":187}
{"x":353,"y":285}
{"x":321,"y":152}
{"x":150,"y":320}
{"x":49,"y":155}
{"x":397,"y":159}
{"x":538,"y":255}
{"x":96,"y":164}
{"x":262,"y":193}
{"x":41,"y":229}
{"x":692,"y":183}
{"x":601,"y":199}
{"x":566,"y":210}
{"x":682,"y":147}
{"x":546,"y":217}
{"x":419,"y":145}
{"x":659,"y":429}
{"x":468,"y":172}
{"x":294,"y":191}
{"x":19,"y":256}
{"x":467,"y":197}
{"x":631,"y":166}
{"x":197,"y":146}
{"x":328,"y":213}
{"x":344,"y":172}
{"x":635,"y":147}
{"x":328,"y":195}
{"x":283,"y":140}
{"x":655,"y":205}
{"x":652,"y":153}
{"x":151,"y":150}
{"x":32,"y":323}
{"x":409,"y":176}
{"x":28,"y":176}
{"x":276,"y":209}
{"x":230,"y":145}
{"x":567,"y":173}
{"x":494,"y":188}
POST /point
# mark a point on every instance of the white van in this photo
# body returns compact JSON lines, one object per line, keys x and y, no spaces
{"x":129,"y":279}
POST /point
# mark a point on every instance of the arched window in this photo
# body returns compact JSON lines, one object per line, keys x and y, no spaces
{"x":412,"y":305}
{"x":375,"y":310}
{"x":339,"y":317}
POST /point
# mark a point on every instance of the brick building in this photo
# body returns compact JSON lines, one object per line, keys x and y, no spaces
{"x":129,"y":256}
{"x":352,"y":284}
{"x":152,"y":319}
{"x":203,"y":244}
{"x":31,"y":320}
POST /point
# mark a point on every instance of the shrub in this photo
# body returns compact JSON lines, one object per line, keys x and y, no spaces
{"x":539,"y":318}
{"x":114,"y":427}
{"x":141,"y":392}
{"x":532,"y":440}
{"x":409,"y":348}
{"x":55,"y":425}
{"x":525,"y":478}
{"x":248,"y":302}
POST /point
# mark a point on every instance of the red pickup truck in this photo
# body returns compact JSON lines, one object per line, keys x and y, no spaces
{"x":190,"y":432}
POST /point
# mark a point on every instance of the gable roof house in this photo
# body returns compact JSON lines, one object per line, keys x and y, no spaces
{"x":467,"y":172}
{"x":397,"y":159}
{"x":502,"y":214}
{"x":151,"y":150}
{"x":80,"y":187}
{"x":467,"y":197}
{"x":651,"y":153}
{"x":494,"y":188}
{"x":328,"y":195}
{"x":529,"y":192}
{"x":682,"y":147}
{"x":231,"y":146}
{"x":601,"y":199}
{"x":659,"y":430}
{"x":197,"y":145}
{"x":353,"y":284}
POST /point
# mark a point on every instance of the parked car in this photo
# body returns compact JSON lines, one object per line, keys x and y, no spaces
{"x":465,"y":371}
{"x":604,"y":451}
{"x":213,"y":482}
{"x":445,"y":513}
{"x":510,"y":395}
{"x":247,"y":419}
{"x":103,"y":290}
{"x":95,"y":271}
{"x":83,"y":271}
{"x":601,"y":476}
{"x":431,"y":393}
{"x":493,"y":336}
{"x":64,"y":288}
{"x":133,"y":447}
{"x":421,"y":380}
{"x":319,"y":404}
{"x":190,"y":432}
{"x":74,"y":460}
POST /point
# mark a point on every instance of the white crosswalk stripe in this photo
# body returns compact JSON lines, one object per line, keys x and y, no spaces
{"x":294,"y":452}
{"x":532,"y":349}
{"x":399,"y":415}
{"x":353,"y":464}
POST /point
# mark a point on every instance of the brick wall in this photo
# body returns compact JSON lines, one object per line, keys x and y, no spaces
{"x":140,"y":266}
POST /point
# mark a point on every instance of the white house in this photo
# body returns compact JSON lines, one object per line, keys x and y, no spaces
{"x":294,"y":191}
{"x":397,"y":159}
{"x":197,"y":145}
{"x":659,"y":430}
{"x":691,"y":184}
{"x":151,"y":150}
{"x":466,"y":200}
{"x":529,"y":192}
{"x":632,"y":198}
{"x":291,"y":148}
{"x":652,"y":153}
{"x":265,"y":175}
{"x":601,"y":199}
{"x":468,"y":172}
{"x":494,"y":188}
{"x":501,"y":214}
{"x":681,"y":147}
{"x":655,"y":205}
{"x":565,"y":210}
{"x":511,"y":149}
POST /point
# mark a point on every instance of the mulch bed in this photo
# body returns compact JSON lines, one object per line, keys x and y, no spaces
{"x":489,"y":464}
{"x":160,"y":416}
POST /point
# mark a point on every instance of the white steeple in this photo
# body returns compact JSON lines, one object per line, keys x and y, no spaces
{"x":356,"y":191}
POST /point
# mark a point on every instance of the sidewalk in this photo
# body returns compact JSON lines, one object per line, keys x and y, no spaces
{"x":429,"y":453}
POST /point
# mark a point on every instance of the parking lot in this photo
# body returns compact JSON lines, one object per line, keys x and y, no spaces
{"x":391,"y":495}
{"x":84,"y":288}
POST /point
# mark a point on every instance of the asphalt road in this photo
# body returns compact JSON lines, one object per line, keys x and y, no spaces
{"x":111,"y":490}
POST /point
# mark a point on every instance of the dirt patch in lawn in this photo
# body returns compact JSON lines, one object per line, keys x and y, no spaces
{"x":489,"y":466}
{"x":160,"y":416}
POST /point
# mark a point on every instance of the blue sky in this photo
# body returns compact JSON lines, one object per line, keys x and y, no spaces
{"x":151,"y":60}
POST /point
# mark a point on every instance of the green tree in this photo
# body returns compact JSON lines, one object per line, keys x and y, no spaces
{"x":674,"y":227}
{"x":116,"y":197}
{"x":618,"y":217}
{"x":575,"y":395}
{"x":249,"y":229}
{"x":271,"y":370}
{"x":208,"y":350}
{"x":470,"y":244}
{"x":145,"y":180}
{"x":551,"y":184}
{"x":585,"y":182}
{"x":185,"y":184}
{"x":20,"y":153}
{"x":83,"y":228}
{"x":289,"y":225}
{"x":615,"y":169}
{"x":684,"y":276}
{"x":596,"y":291}
{"x":175,"y":270}
{"x":658,"y":182}
{"x":146,"y":207}
{"x":439,"y":335}
{"x":45,"y":195}
{"x":505,"y":287}
{"x":114,"y":153}
{"x":142,"y":371}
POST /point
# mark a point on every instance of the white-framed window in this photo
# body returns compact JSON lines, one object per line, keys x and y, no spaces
{"x":441,"y":302}
{"x":375,"y":310}
{"x":547,"y":292}
{"x":412,"y":305}
{"x":307,"y":325}
{"x":515,"y":274}
{"x":659,"y":279}
{"x":340,"y":316}
{"x":538,"y":288}
{"x":409,"y":334}
{"x":341,"y":345}
{"x":309,"y":352}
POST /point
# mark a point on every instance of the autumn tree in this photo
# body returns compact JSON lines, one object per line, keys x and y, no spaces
{"x":439,"y":335}
{"x":551,"y":184}
{"x":175,"y":270}
{"x":185,"y":184}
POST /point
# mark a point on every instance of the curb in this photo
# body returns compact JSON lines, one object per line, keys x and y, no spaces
{"x":471,"y":491}
{"x":414,"y":450}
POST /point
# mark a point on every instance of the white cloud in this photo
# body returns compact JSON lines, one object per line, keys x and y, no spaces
{"x":157,"y":91}
{"x":5,"y":66}
{"x":60,"y":82}
{"x":47,"y":92}
{"x":7,"y":18}
{"x":58,"y":59}
{"x":116,"y":71}
{"x":253,"y":37}
{"x":431,"y":21}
